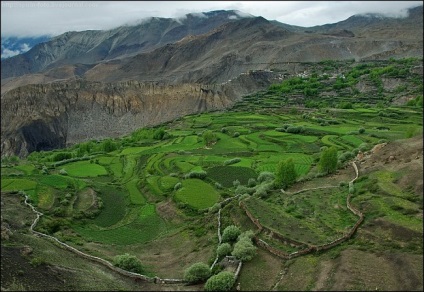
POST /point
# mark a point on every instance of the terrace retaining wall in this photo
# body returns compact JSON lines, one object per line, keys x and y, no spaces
{"x":310,"y":248}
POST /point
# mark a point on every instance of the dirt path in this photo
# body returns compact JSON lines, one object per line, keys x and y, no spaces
{"x":323,"y":275}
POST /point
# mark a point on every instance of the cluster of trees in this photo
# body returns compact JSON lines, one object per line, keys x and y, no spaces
{"x":234,"y":242}
{"x":209,"y":138}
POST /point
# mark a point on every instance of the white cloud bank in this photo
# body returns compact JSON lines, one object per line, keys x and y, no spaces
{"x":26,"y":18}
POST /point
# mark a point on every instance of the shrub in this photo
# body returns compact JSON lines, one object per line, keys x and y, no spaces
{"x":295,"y":130}
{"x":109,"y":146}
{"x":196,"y":174}
{"x":61,"y":156}
{"x":244,"y":196}
{"x":251,"y":182}
{"x":361,"y":130}
{"x":209,"y":137}
{"x":129,"y":263}
{"x":230,"y":233}
{"x":345,"y":156}
{"x":265,"y":176}
{"x":64,"y":202}
{"x":232,"y":161}
{"x":63,"y":172}
{"x":249,"y":234}
{"x":218,"y":185}
{"x":236,"y":183}
{"x":222,"y":281}
{"x":223,"y":249}
{"x":243,"y":189}
{"x":197,"y":273}
{"x":215,"y":207}
{"x":262,"y":189}
{"x":177,"y":186}
{"x":244,"y":249}
{"x":364,"y":147}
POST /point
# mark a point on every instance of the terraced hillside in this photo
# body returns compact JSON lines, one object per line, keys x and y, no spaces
{"x":157,"y":193}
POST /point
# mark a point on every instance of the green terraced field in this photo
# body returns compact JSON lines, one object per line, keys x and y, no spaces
{"x":197,"y":194}
{"x":139,"y":196}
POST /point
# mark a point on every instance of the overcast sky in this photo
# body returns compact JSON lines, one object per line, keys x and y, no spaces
{"x":36,"y":18}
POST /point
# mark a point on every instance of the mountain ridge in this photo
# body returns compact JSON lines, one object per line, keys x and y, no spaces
{"x":228,"y":55}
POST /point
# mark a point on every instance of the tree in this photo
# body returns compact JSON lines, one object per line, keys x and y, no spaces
{"x":244,"y":249}
{"x":230,"y":233}
{"x":286,"y":174}
{"x":222,"y":281}
{"x":109,"y":146}
{"x":129,"y":263}
{"x":328,"y":160}
{"x":209,"y":137}
{"x":159,"y":134}
{"x":224,"y":249}
{"x":197,"y":273}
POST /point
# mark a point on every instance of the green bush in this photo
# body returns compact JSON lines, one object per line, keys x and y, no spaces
{"x":177,"y":186}
{"x":196,"y":174}
{"x":230,"y":233}
{"x":265,"y":176}
{"x":232,"y":161}
{"x":244,"y":249}
{"x":263,"y":189}
{"x":61,"y":156}
{"x":240,"y":189}
{"x":224,"y":249}
{"x":222,"y":281}
{"x":251,"y":182}
{"x":129,"y":263}
{"x":197,"y":273}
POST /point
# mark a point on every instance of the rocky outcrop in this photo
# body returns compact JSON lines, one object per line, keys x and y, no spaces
{"x":49,"y":116}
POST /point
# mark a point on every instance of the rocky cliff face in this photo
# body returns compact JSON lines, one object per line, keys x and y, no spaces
{"x":49,"y":116}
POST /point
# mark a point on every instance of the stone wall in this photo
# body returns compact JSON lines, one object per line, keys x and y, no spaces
{"x":310,"y":248}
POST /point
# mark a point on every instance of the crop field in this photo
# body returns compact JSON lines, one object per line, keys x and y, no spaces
{"x":197,"y":194}
{"x":149,"y":189}
{"x":84,"y":169}
{"x":226,"y":175}
{"x":17,"y":184}
{"x":56,"y":181}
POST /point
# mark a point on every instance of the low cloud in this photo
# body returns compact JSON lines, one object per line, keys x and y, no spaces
{"x":35,"y":18}
{"x":6,"y":53}
{"x":25,"y":48}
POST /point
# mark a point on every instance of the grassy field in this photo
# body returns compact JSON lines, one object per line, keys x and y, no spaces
{"x":197,"y":194}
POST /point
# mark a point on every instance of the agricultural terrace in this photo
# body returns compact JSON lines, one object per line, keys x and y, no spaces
{"x":161,"y":184}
